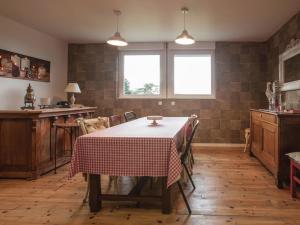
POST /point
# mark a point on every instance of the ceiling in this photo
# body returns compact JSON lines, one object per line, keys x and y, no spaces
{"x":92,"y":21}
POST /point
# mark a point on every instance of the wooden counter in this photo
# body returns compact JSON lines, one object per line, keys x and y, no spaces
{"x":273,"y":134}
{"x":27,"y":140}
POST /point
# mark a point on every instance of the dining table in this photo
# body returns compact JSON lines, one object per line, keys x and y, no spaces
{"x":137,"y":148}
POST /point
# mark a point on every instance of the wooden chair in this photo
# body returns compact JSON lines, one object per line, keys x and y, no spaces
{"x":193,"y":119}
{"x":129,"y":116}
{"x":183,"y":158}
{"x":68,"y":127}
{"x":294,"y":166}
{"x":187,"y":135}
{"x":115,"y":120}
{"x":89,"y":126}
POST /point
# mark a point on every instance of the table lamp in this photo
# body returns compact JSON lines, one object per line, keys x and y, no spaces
{"x":72,"y":88}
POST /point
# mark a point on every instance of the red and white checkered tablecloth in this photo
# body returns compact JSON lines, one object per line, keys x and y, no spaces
{"x":132,"y":149}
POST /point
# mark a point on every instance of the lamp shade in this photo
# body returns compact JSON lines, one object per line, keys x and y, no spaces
{"x":72,"y":88}
{"x":117,"y":40}
{"x":185,"y":39}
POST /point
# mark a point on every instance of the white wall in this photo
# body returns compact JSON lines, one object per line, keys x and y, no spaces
{"x":25,"y":40}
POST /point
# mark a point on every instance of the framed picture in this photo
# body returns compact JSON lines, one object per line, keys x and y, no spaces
{"x":18,"y":66}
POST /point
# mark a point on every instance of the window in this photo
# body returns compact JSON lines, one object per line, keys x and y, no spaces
{"x":191,"y":74}
{"x":145,"y":73}
{"x":141,"y":74}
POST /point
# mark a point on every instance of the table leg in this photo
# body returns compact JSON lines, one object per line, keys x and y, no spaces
{"x":95,"y":192}
{"x":166,"y":197}
{"x":292,"y":182}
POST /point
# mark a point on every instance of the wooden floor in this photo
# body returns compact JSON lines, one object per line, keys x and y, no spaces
{"x":232,"y":188}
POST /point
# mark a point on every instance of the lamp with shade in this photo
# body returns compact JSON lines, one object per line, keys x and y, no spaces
{"x":184,"y":38}
{"x":72,"y":88}
{"x":117,"y":39}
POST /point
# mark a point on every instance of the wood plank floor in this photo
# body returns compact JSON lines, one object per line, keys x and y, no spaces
{"x":232,"y":189}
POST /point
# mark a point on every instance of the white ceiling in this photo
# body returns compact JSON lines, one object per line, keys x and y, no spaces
{"x":92,"y":21}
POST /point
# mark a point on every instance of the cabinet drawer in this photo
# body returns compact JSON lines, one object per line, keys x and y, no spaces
{"x":264,"y":117}
{"x":256,"y":115}
{"x":269,"y":118}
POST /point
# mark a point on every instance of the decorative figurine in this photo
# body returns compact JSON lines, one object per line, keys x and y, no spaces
{"x":29,"y":98}
{"x":273,"y":93}
{"x":270,"y":94}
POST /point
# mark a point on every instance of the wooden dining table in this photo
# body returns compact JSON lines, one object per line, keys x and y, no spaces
{"x":136,"y":148}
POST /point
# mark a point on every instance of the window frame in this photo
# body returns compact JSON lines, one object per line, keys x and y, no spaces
{"x":162,"y":88}
{"x":170,"y":83}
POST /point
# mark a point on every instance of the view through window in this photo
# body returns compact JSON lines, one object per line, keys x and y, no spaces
{"x":176,"y":73}
{"x":141,"y":74}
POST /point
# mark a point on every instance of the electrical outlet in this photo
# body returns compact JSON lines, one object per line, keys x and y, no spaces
{"x":159,"y":103}
{"x":173,"y":103}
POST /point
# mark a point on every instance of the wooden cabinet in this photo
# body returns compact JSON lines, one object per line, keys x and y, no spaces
{"x":272,"y":136}
{"x":27,"y":140}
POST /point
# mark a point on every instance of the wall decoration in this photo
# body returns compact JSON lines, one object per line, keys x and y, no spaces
{"x":18,"y":66}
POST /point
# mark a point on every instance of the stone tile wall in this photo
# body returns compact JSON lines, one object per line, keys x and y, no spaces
{"x":276,"y":45}
{"x":241,"y":70}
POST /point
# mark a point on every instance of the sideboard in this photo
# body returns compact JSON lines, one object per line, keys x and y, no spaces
{"x":273,"y":134}
{"x":27,"y":140}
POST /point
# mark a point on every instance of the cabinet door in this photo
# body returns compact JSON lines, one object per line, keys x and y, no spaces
{"x":269,"y":145}
{"x":256,"y":141}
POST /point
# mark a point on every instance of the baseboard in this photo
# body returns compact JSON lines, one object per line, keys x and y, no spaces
{"x":218,"y":146}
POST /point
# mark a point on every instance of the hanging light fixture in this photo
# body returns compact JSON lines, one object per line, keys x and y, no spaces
{"x":117,"y":39}
{"x":184,"y":38}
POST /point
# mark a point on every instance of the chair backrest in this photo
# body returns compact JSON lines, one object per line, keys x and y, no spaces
{"x":189,"y":141}
{"x":129,"y":116}
{"x":91,"y":125}
{"x":115,"y":120}
{"x":188,"y":132}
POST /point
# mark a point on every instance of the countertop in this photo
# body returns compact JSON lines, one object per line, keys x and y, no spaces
{"x":44,"y":112}
{"x":277,"y":113}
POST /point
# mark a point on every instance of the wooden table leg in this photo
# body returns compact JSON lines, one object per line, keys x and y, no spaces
{"x":95,"y":192}
{"x":166,"y":197}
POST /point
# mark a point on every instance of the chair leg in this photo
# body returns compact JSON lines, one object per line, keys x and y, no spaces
{"x":292,"y":182}
{"x":189,"y":175}
{"x":115,"y":184}
{"x":247,"y":142}
{"x":151,"y":182}
{"x":184,"y":198}
{"x":55,"y":149}
{"x":86,"y":196}
{"x":110,"y":179}
{"x":192,"y":157}
{"x":71,"y":140}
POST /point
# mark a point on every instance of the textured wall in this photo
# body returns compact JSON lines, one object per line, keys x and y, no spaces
{"x":240,"y":75}
{"x":277,"y":45}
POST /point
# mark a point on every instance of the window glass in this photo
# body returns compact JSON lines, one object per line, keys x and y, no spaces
{"x":192,"y":75}
{"x":141,"y":74}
